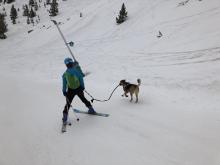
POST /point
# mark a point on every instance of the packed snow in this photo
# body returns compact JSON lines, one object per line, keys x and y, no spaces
{"x":177,"y":118}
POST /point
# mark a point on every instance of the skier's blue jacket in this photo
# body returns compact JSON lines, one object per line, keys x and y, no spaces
{"x":73,"y":79}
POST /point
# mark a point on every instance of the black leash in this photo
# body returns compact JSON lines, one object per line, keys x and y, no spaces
{"x":101,"y":100}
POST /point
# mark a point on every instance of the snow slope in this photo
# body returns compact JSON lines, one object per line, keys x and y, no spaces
{"x":177,"y":119}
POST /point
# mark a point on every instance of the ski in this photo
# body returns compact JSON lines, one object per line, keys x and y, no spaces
{"x":95,"y":114}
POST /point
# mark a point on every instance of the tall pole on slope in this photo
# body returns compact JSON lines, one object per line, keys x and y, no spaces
{"x":67,"y":44}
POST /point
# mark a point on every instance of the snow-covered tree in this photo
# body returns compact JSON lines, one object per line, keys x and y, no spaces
{"x":122,"y":15}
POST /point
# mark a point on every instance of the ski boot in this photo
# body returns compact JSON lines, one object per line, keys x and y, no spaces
{"x":91,"y":110}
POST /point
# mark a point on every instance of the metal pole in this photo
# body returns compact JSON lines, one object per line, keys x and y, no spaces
{"x":55,"y":23}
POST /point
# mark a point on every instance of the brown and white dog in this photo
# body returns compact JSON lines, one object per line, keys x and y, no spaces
{"x":130,"y":88}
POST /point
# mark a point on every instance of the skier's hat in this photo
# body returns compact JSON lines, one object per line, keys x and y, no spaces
{"x":68,"y":61}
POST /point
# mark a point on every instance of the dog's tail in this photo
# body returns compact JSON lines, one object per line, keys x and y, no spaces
{"x":139,"y":82}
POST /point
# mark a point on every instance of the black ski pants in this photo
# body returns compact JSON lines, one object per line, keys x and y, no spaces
{"x":71,"y":93}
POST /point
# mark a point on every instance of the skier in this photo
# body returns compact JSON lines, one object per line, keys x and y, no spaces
{"x":73,"y":84}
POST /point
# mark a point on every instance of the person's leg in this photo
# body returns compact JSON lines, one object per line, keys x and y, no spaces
{"x":69,"y":98}
{"x":80,"y":94}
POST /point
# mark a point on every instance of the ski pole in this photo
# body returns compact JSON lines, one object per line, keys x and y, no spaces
{"x":55,"y":23}
{"x":77,"y":118}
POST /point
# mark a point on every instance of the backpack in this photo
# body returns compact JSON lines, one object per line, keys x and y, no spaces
{"x":72,"y":80}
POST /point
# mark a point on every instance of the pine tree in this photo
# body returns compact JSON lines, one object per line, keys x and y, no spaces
{"x":3,"y":27}
{"x":10,"y":1}
{"x":38,"y":17}
{"x":26,"y":10}
{"x":13,"y":14}
{"x":54,"y":8}
{"x":122,"y":15}
{"x":35,"y":6}
{"x":32,"y":21}
{"x":31,"y":2}
{"x":32,"y":14}
{"x":28,"y":20}
{"x":47,"y":2}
